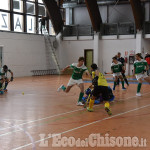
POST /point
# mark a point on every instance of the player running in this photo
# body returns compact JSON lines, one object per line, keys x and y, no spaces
{"x":140,"y":68}
{"x":78,"y":70}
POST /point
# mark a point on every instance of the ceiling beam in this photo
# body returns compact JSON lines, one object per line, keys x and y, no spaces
{"x":54,"y":14}
{"x":94,"y":14}
{"x":138,"y":13}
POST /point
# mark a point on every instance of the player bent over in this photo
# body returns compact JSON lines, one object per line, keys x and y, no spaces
{"x":140,"y":68}
{"x":116,"y":68}
{"x":100,"y":87}
{"x":4,"y":78}
{"x":78,"y":70}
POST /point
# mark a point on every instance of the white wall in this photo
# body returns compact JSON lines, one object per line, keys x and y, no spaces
{"x":146,"y":45}
{"x":70,"y":51}
{"x":23,"y":52}
{"x":110,"y":48}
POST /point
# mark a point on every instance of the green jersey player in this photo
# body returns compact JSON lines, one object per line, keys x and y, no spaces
{"x":76,"y":78}
{"x":140,"y":68}
{"x":116,"y":68}
{"x":4,"y":78}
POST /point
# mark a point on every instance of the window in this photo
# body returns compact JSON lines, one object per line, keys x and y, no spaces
{"x":17,"y":6}
{"x":31,"y":0}
{"x":4,"y":4}
{"x":4,"y":21}
{"x":51,"y":29}
{"x":18,"y":23}
{"x":42,"y":11}
{"x":30,"y":8}
{"x":24,"y":16}
{"x":40,"y":1}
{"x":39,"y":25}
{"x":31,"y":24}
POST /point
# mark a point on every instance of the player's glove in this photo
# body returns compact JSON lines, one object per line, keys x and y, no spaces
{"x":11,"y":79}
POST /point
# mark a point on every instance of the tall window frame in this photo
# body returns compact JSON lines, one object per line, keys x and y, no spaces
{"x":30,"y":21}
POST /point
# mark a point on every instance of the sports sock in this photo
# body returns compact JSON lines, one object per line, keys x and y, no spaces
{"x":139,"y":87}
{"x":91,"y":103}
{"x":63,"y":88}
{"x":114,"y":85}
{"x":125,"y":79}
{"x":107,"y":105}
{"x":1,"y":85}
{"x":122,"y":84}
{"x":80,"y":97}
{"x":6,"y":84}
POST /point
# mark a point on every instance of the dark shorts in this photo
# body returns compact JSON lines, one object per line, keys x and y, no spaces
{"x":103,"y":90}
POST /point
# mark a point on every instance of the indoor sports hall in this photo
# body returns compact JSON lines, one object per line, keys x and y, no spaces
{"x":74,"y":74}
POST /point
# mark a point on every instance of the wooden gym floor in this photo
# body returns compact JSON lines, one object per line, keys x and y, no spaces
{"x":32,"y":109}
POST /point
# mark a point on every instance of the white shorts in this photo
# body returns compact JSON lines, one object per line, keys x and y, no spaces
{"x":141,"y":76}
{"x":74,"y":82}
{"x":117,"y":74}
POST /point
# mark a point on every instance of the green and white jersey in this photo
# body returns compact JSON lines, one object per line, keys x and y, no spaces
{"x":140,"y":66}
{"x":78,"y":71}
{"x":3,"y":73}
{"x":116,"y":67}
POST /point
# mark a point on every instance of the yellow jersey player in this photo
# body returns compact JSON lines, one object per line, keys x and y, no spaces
{"x":100,"y":87}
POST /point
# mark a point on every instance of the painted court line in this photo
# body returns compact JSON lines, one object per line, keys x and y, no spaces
{"x":63,"y":114}
{"x":11,"y":120}
{"x":43,"y":118}
{"x":84,"y":126}
{"x":133,"y":97}
{"x":1,"y":129}
{"x":27,"y":133}
{"x":7,"y":133}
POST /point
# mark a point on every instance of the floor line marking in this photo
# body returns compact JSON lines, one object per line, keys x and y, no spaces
{"x":107,"y":118}
{"x":26,"y":132}
{"x":50,"y":117}
{"x":43,"y":118}
{"x":133,"y":97}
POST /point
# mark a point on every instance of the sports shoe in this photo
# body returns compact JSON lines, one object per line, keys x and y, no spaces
{"x":79,"y":104}
{"x":108,"y":111}
{"x":123,"y":88}
{"x":89,"y":109}
{"x":5,"y":90}
{"x":138,"y":94}
{"x":60,"y":88}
